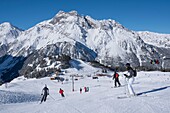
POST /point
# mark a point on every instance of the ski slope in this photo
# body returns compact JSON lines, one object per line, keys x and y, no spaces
{"x":23,"y":95}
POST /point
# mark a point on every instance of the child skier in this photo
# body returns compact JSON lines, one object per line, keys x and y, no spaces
{"x":61,"y":92}
{"x":116,"y":77}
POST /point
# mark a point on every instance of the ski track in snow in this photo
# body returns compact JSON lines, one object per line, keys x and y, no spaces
{"x":7,"y":97}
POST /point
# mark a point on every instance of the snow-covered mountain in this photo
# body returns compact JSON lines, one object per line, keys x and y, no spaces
{"x":82,"y":37}
{"x":8,"y":35}
{"x":156,"y":39}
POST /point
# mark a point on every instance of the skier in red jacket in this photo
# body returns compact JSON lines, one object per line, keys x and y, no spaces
{"x":116,"y":77}
{"x":61,"y":92}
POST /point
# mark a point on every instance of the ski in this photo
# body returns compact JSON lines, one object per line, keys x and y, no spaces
{"x":123,"y":97}
{"x":118,"y":86}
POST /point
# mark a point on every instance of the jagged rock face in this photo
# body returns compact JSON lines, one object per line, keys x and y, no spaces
{"x":74,"y":50}
{"x":82,"y":37}
{"x":9,"y":67}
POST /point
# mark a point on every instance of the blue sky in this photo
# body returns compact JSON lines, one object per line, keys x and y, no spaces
{"x":138,"y":15}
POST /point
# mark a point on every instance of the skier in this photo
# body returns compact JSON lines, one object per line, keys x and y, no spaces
{"x":80,"y":90}
{"x":130,"y":79}
{"x":116,"y":77}
{"x":45,"y":92}
{"x":86,"y":89}
{"x":61,"y":92}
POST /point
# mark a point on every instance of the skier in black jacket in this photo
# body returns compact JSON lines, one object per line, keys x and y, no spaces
{"x":45,"y":92}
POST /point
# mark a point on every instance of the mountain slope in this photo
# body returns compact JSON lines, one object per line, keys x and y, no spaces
{"x":8,"y":35}
{"x":23,"y":95}
{"x":82,"y":37}
{"x":160,"y":40}
{"x":105,"y":37}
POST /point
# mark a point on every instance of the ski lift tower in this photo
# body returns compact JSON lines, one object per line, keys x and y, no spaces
{"x":72,"y":82}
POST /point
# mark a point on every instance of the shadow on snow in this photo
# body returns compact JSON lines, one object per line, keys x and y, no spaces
{"x":153,"y":90}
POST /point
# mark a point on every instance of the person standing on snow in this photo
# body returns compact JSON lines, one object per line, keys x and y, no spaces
{"x":116,"y":77}
{"x":130,"y":79}
{"x":80,"y":90}
{"x":45,"y":92}
{"x":86,"y":89}
{"x":61,"y":92}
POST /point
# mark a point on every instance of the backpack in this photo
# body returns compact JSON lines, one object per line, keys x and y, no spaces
{"x":117,"y":75}
{"x":134,"y":72}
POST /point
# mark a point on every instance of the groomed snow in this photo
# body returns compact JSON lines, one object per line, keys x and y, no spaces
{"x":23,"y":95}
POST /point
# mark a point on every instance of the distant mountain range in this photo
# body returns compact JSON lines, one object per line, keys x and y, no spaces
{"x":79,"y":37}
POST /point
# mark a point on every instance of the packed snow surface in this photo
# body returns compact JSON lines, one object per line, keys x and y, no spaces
{"x":23,"y":95}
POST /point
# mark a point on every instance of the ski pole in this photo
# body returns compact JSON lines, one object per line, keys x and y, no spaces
{"x":51,"y":97}
{"x":40,"y":99}
{"x":125,"y":82}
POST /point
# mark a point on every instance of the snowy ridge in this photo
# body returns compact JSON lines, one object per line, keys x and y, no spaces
{"x":82,"y":37}
{"x":8,"y":33}
{"x":104,"y":36}
{"x":156,"y":39}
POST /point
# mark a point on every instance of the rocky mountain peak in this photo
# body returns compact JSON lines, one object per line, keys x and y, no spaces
{"x":8,"y":33}
{"x":8,"y":26}
{"x":5,"y":24}
{"x":82,"y":37}
{"x":61,"y":15}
